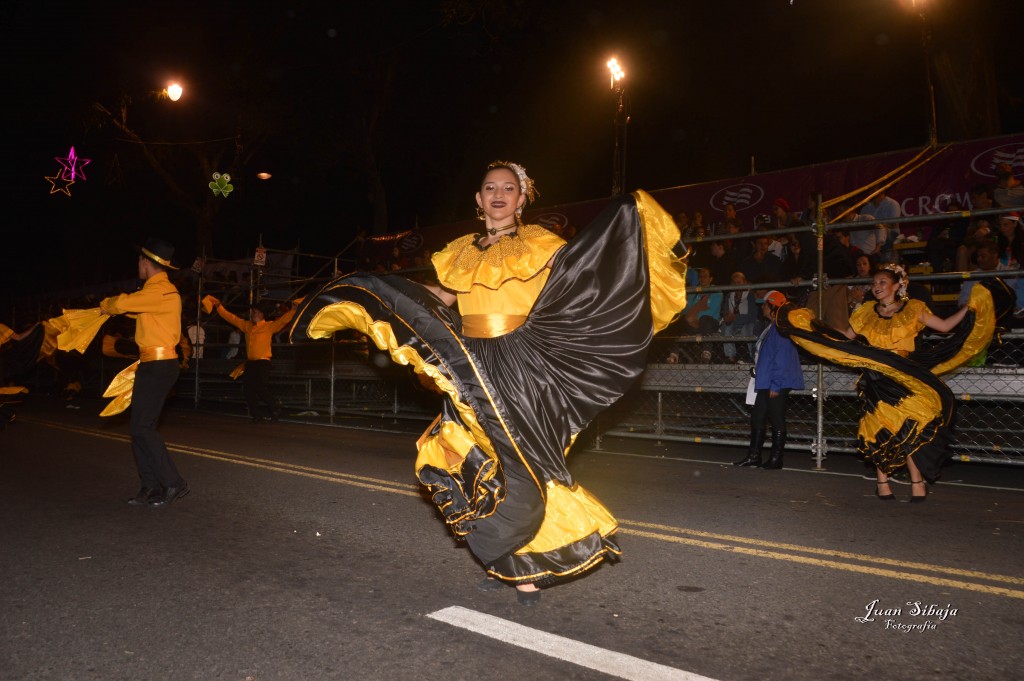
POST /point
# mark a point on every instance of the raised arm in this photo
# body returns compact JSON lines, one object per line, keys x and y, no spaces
{"x":937,"y":323}
{"x":230,"y":318}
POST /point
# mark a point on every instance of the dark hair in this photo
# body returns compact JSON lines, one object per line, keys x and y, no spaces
{"x":889,"y":273}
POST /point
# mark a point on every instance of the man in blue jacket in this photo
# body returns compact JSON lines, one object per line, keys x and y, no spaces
{"x":776,"y":371}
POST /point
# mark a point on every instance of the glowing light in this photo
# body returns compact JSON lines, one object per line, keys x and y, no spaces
{"x":264,"y":176}
{"x":617,"y":73}
{"x":73,"y":167}
{"x":58,"y":183}
{"x":174,"y":92}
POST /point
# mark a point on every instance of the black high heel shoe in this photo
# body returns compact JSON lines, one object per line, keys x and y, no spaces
{"x":922,"y":498}
{"x":884,"y":497}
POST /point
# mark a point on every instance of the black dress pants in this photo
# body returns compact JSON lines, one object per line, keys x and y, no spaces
{"x":257,"y":387}
{"x":769,"y":409}
{"x":153,"y":381}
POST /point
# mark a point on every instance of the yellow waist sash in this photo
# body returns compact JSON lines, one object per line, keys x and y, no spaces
{"x":491,"y":325}
{"x":153,"y":354}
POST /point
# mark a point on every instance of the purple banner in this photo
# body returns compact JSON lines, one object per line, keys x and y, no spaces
{"x":929,"y":189}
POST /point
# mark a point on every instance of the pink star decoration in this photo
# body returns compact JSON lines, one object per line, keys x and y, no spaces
{"x":73,"y":166}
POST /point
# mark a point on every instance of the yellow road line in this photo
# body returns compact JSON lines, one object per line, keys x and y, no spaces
{"x":626,"y":526}
{"x":881,"y":572}
{"x":828,"y":552}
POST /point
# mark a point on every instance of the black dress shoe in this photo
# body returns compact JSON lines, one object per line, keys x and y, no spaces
{"x":143,"y":496}
{"x":170,"y":494}
{"x":528,"y":598}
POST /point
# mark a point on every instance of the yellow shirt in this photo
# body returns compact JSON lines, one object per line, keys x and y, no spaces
{"x":157,"y":309}
{"x":896,"y":333}
{"x":258,"y":336}
{"x":497,"y":286}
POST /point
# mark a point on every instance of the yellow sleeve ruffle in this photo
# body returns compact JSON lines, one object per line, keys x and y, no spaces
{"x":462,"y":264}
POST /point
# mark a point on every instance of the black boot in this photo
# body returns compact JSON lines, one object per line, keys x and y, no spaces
{"x":757,"y":437}
{"x":778,"y":445}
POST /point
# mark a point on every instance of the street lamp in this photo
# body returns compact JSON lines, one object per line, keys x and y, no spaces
{"x":174,"y":92}
{"x":617,"y":83}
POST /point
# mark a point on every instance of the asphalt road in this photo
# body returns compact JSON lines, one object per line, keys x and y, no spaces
{"x":309,"y":552}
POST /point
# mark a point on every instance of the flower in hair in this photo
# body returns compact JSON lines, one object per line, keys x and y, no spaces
{"x":526,"y":184}
{"x":901,"y":278}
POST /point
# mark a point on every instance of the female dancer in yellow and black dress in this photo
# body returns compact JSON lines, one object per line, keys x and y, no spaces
{"x":545,"y":335}
{"x":909,"y":411}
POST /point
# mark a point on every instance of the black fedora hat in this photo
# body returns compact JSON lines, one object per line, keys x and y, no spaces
{"x":159,"y":251}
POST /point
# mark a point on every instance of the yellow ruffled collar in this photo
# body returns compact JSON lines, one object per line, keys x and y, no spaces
{"x":522,"y":255}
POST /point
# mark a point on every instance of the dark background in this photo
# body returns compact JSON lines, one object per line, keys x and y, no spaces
{"x":379,"y":116}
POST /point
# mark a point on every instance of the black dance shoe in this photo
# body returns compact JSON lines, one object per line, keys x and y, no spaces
{"x":923,"y":497}
{"x":884,"y":497}
{"x":143,"y":496}
{"x":169,"y":495}
{"x":528,"y":599}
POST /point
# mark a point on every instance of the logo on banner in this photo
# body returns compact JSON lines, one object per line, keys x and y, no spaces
{"x":985,"y":163}
{"x":411,"y":243}
{"x":552,"y":221}
{"x":742,"y":196}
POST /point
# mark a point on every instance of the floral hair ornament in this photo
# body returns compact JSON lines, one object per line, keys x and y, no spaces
{"x":901,"y":278}
{"x":526,"y":185}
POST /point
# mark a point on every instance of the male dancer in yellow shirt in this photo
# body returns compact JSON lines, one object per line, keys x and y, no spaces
{"x":259,"y":335}
{"x":157,"y":310}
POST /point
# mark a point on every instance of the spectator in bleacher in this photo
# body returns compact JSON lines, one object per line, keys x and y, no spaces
{"x":1011,"y":254}
{"x":703,"y":314}
{"x":781,"y":217}
{"x":259,"y":333}
{"x":791,"y":259}
{"x":682,"y":219}
{"x":761,"y":266}
{"x":741,"y":248}
{"x":886,"y":209}
{"x":697,"y":221}
{"x":1008,"y":192}
{"x":809,"y":215}
{"x":739,"y":312}
{"x":720,"y":260}
{"x":858,"y":294}
{"x":986,"y":259}
{"x":699,"y":250}
{"x":869,"y":240}
{"x":844,"y":239}
{"x":978,"y":232}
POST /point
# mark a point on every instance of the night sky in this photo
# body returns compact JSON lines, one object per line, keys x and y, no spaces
{"x":413,"y":98}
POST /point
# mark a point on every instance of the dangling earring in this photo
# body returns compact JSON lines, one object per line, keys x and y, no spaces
{"x":480,"y":213}
{"x":519,"y":215}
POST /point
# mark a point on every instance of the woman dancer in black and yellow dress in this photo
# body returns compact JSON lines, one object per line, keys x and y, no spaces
{"x":545,"y":335}
{"x":908,"y":410}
